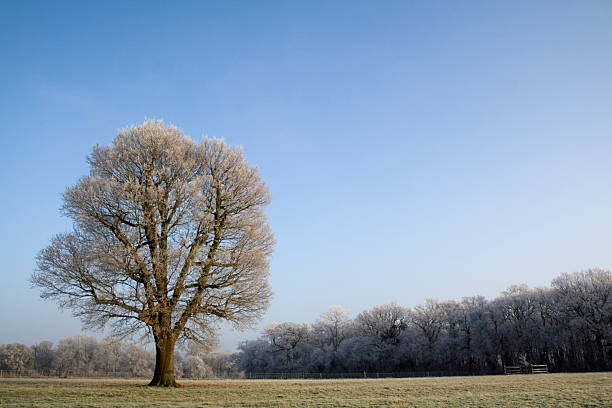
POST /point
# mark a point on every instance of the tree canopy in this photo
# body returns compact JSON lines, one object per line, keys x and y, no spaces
{"x":169,"y":235}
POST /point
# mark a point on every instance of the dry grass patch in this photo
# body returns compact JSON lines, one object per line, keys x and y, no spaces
{"x":551,"y":390}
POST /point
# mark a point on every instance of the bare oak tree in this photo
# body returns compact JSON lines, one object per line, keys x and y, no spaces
{"x":169,"y":235}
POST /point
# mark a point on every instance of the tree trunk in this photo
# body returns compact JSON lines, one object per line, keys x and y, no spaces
{"x":164,"y":365}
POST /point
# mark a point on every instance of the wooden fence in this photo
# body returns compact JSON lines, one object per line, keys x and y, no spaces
{"x":539,"y":369}
{"x":364,"y":374}
{"x":530,"y":369}
{"x":65,"y":374}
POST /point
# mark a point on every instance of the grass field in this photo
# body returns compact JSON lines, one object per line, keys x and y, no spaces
{"x":548,"y":390}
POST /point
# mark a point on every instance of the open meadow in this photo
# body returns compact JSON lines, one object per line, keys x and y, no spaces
{"x":549,"y":390}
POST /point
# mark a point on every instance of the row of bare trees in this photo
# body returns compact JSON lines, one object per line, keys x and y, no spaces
{"x":567,"y":326}
{"x":84,"y":356}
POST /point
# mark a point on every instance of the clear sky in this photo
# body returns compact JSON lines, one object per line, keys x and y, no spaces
{"x":413,"y":149}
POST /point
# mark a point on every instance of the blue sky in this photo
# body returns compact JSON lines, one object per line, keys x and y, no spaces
{"x":413,"y":149}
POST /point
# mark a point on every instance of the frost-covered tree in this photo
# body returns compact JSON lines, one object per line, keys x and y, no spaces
{"x":76,"y":355}
{"x":43,"y":356}
{"x":432,"y":319}
{"x":16,"y":357}
{"x":333,"y":327}
{"x":381,"y":328}
{"x":136,"y":361}
{"x":108,"y":355}
{"x":194,"y":364}
{"x":474,"y":340}
{"x":585,"y":300}
{"x":223,"y":365}
{"x":290,"y":343}
{"x":195,"y":367}
{"x":169,"y":236}
{"x":384,"y":322}
{"x":255,"y":356}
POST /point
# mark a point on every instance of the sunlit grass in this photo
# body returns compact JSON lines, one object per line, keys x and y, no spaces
{"x":550,"y":390}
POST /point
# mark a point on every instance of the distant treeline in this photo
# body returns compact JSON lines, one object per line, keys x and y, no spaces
{"x":567,"y":326}
{"x":84,"y":356}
